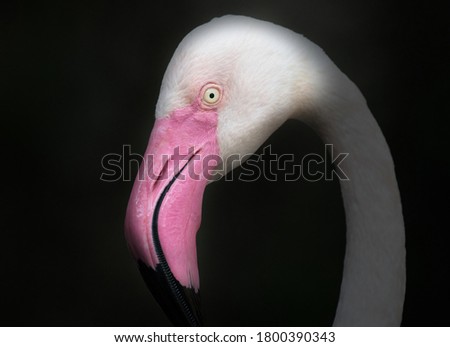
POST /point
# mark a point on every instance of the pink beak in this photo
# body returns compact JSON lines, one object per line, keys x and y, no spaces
{"x":164,"y":210}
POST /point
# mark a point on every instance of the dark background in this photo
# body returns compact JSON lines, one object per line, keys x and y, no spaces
{"x":80,"y":80}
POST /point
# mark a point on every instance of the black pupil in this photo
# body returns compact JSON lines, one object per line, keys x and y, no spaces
{"x":211,"y":95}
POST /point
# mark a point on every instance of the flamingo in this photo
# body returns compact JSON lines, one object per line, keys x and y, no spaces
{"x":230,"y":84}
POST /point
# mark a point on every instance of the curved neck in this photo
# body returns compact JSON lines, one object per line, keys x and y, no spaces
{"x":374,"y":276}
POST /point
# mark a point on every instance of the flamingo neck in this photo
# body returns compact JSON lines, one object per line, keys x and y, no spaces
{"x":374,"y":275}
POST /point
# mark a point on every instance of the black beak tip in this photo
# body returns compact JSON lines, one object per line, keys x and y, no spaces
{"x":181,"y":304}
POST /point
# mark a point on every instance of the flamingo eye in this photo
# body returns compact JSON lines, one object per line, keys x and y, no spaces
{"x":211,"y":96}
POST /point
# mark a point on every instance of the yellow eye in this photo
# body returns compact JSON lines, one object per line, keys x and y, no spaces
{"x":211,"y":96}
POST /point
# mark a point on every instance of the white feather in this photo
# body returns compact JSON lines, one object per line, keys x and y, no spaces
{"x":270,"y":74}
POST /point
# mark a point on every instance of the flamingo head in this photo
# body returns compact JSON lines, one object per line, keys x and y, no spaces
{"x":229,"y":85}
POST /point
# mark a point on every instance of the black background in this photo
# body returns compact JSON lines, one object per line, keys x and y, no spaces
{"x":80,"y":80}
